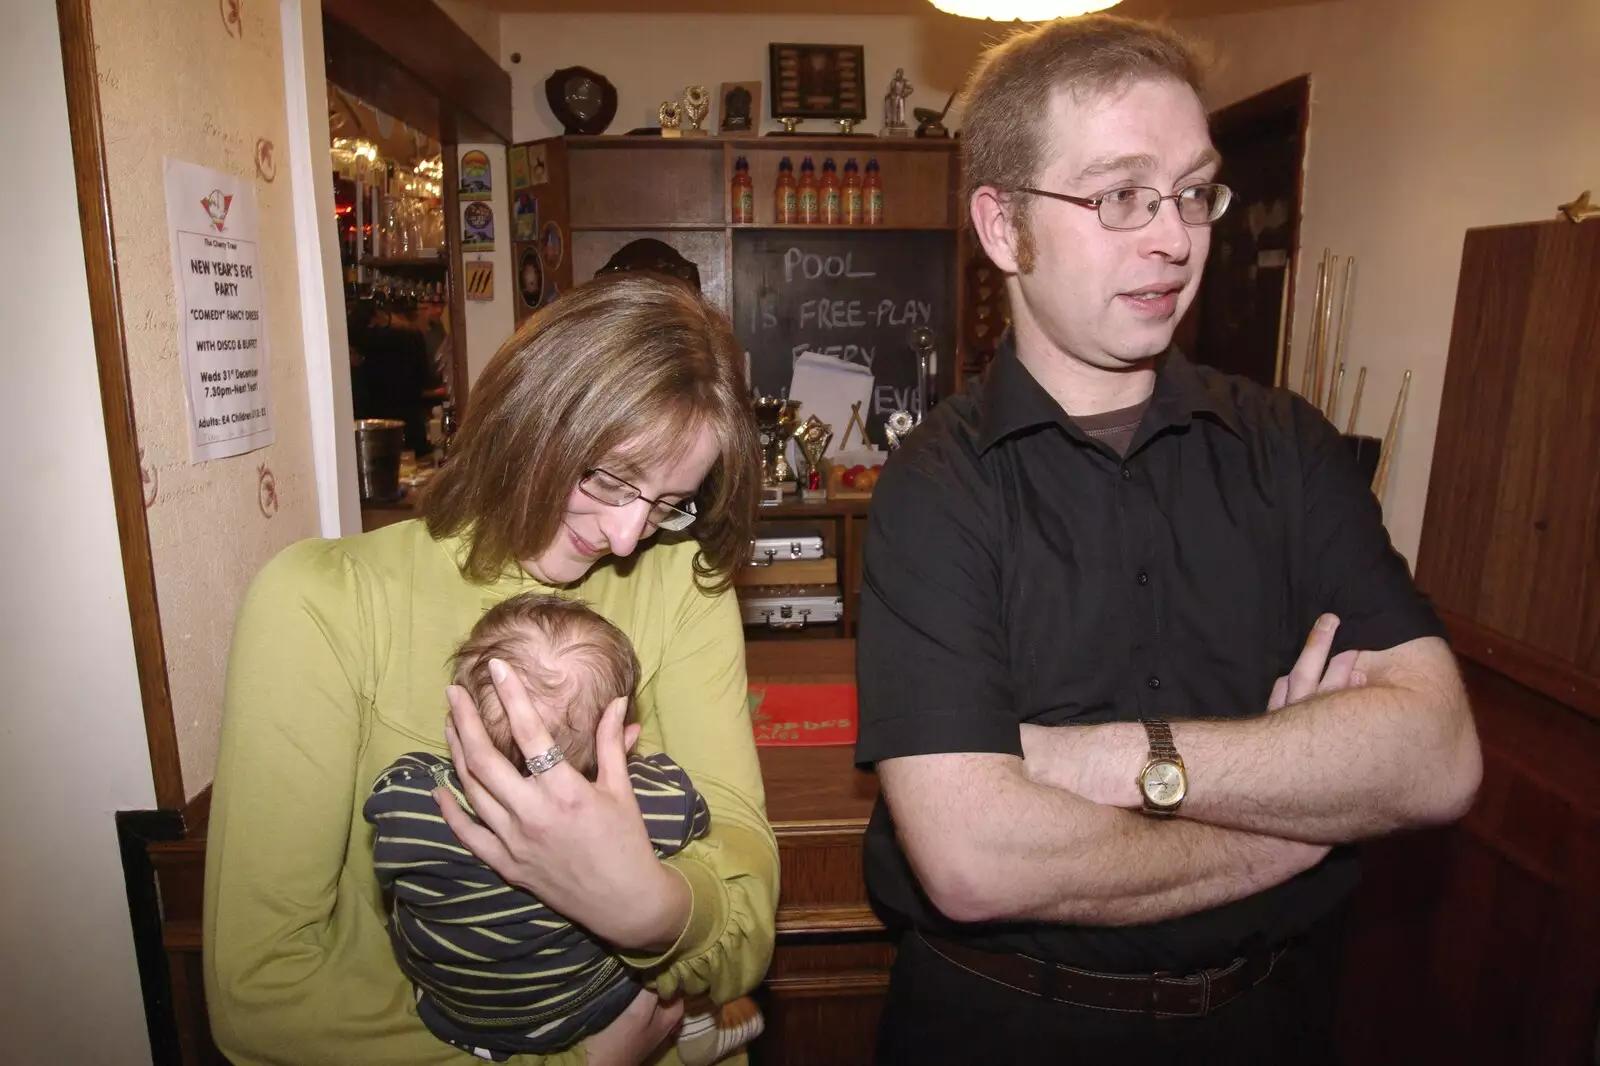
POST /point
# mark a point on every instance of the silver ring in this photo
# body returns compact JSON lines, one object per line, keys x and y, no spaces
{"x":544,"y":761}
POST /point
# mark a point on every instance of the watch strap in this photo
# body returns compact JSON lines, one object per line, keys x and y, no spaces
{"x":1161,"y":743}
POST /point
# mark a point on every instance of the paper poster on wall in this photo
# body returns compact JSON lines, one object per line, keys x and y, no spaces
{"x":525,"y":216}
{"x":517,"y":167}
{"x":478,"y":279}
{"x":477,"y":181}
{"x":222,"y":318}
{"x":477,"y":228}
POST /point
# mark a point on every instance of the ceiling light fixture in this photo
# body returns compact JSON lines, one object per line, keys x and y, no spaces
{"x":1021,"y":10}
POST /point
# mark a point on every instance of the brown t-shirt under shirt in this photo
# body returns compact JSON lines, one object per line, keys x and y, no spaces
{"x":1115,"y":428}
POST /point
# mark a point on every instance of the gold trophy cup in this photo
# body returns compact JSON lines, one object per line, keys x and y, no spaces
{"x":776,"y":419}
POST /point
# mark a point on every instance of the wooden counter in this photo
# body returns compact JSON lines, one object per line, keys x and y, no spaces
{"x":829,"y":974}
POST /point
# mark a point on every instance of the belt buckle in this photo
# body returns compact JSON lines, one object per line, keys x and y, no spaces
{"x":1166,"y":978}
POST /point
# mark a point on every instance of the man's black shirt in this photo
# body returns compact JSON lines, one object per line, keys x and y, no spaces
{"x":1016,"y":570}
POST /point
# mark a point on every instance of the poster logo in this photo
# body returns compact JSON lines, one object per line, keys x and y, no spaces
{"x":216,"y":206}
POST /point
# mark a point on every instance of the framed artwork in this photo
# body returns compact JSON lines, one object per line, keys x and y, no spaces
{"x":740,"y":104}
{"x":517,"y":167}
{"x":551,"y":245}
{"x":477,"y":180}
{"x":818,"y":81}
{"x":530,"y":276}
{"x":477,"y":227}
{"x":525,"y":216}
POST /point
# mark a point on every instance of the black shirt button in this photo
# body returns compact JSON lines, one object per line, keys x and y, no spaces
{"x":1143,"y":578}
{"x":1127,"y":475}
{"x":1153,"y":681}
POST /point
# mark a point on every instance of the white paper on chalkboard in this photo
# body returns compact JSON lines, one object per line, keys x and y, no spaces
{"x":826,"y":387}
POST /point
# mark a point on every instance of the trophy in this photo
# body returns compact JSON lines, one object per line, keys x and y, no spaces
{"x":696,"y":102}
{"x":813,"y":437}
{"x":897,"y":426}
{"x":775,"y":421}
{"x":671,"y":116}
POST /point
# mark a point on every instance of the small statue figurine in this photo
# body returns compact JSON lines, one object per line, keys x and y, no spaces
{"x":894,"y":105}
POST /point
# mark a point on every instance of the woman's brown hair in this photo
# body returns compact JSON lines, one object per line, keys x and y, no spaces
{"x":625,"y":367}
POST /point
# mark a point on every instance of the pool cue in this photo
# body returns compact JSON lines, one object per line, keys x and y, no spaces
{"x":1381,"y":478}
{"x":1324,"y":329}
{"x":1311,"y":336}
{"x":1284,"y":335}
{"x":1355,"y":401}
{"x":1344,"y":330}
{"x":1333,"y":395}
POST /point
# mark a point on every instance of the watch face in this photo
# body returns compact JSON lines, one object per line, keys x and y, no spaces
{"x":1163,"y":783}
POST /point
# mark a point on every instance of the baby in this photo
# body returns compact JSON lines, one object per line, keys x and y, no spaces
{"x":496,"y":972}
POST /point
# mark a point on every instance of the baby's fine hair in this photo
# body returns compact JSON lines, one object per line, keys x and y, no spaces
{"x":564,"y":653}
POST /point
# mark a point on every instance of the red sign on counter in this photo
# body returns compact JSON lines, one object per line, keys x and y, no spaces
{"x":803,"y":715}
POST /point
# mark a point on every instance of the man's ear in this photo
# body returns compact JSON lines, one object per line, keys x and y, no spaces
{"x":992,"y":217}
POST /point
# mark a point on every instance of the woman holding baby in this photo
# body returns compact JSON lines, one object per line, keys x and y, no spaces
{"x":608,"y":456}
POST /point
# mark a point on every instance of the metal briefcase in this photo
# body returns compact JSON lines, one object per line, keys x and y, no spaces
{"x":791,"y":606}
{"x":764,"y":550}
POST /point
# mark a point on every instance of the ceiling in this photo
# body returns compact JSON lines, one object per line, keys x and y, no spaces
{"x":1180,"y":9}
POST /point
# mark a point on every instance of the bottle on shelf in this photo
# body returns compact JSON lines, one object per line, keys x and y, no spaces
{"x":744,"y":200}
{"x":830,"y":207}
{"x":785,"y":206}
{"x":807,"y":192}
{"x":852,"y":194}
{"x":873,"y":195}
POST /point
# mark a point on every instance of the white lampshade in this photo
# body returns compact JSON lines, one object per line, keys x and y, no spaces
{"x":1022,"y":10}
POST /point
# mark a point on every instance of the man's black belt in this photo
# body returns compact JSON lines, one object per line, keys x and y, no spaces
{"x":1170,"y":995}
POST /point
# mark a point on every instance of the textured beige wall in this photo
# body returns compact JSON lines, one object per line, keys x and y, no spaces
{"x":1428,"y":118}
{"x":650,"y":58}
{"x":178,"y":79}
{"x":481,"y":23}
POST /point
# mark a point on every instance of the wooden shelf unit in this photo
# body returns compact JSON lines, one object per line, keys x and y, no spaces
{"x":604,"y":192}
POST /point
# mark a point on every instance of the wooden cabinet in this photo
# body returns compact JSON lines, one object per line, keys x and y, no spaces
{"x":598,"y":194}
{"x":830,"y":972}
{"x":1480,"y":942}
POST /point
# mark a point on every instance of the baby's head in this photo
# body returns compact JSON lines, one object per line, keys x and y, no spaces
{"x":569,"y":659}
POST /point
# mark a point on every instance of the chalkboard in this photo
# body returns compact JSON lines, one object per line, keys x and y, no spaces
{"x":853,"y":294}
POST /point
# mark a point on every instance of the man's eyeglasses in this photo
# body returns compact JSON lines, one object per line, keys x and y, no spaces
{"x":613,"y":491}
{"x":1134,"y":208}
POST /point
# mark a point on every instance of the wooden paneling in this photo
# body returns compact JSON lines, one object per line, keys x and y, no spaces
{"x":703,"y":248}
{"x":1513,"y":517}
{"x":116,"y":398}
{"x":1480,"y":942}
{"x":626,"y":186}
{"x":474,"y":92}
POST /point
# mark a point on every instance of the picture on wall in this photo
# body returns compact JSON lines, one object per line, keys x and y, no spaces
{"x":530,"y":276}
{"x":525,"y":216}
{"x":741,"y":102}
{"x":477,"y":180}
{"x":477,"y":227}
{"x":818,"y":81}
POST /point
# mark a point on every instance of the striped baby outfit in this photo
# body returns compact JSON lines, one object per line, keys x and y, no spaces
{"x":496,"y":972}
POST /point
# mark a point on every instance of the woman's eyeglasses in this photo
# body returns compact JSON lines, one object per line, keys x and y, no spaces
{"x":614,"y":492}
{"x":1135,"y":207}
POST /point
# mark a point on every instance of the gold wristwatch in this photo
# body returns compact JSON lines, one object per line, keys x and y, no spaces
{"x":1163,"y":782}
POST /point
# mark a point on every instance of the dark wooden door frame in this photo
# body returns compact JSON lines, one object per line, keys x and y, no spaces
{"x":1291,"y":97}
{"x":116,"y":396}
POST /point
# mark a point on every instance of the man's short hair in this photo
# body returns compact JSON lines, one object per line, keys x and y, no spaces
{"x":1007,"y":98}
